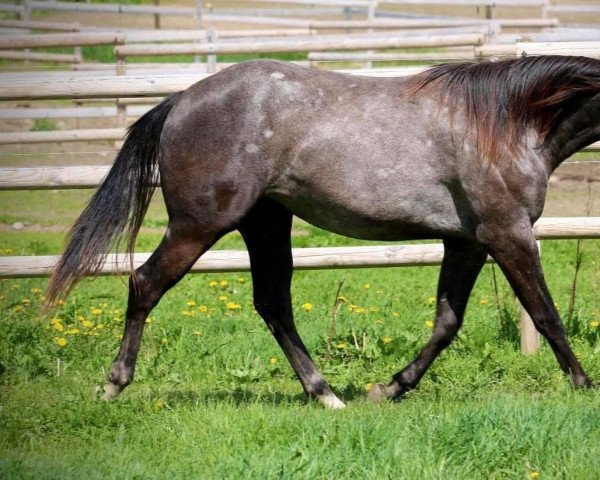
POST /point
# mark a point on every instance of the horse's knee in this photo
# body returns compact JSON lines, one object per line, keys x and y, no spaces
{"x":143,"y":291}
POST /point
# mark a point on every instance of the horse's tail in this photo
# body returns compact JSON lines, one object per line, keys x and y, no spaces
{"x":117,"y":209}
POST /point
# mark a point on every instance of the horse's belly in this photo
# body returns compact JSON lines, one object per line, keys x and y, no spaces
{"x":368,"y":217}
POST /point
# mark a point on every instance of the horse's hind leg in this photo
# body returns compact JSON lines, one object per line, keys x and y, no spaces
{"x":461,"y":266}
{"x":181,"y":246}
{"x":266,"y":231}
{"x":516,"y":253}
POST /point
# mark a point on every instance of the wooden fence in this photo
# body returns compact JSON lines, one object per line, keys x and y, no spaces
{"x":231,"y":261}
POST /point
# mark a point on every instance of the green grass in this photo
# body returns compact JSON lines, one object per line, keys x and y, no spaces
{"x":214,"y":397}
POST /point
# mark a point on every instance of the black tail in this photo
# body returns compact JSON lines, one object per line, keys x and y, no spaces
{"x":117,"y":208}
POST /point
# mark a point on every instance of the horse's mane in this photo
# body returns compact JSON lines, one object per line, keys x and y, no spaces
{"x":503,"y":99}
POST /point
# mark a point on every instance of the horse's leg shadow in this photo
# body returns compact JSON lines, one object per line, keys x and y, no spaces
{"x":266,"y":231}
{"x":461,"y":265}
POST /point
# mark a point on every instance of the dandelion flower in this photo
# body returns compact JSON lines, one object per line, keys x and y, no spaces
{"x":187,"y":313}
{"x":96,"y":311}
{"x":233,"y":306}
{"x":595,"y":324}
{"x":203,"y":309}
{"x":359,"y":310}
{"x":431,"y":300}
{"x":367,"y":286}
{"x":58,"y":326}
{"x":100,"y":326}
{"x":533,"y":475}
{"x":342,"y":299}
{"x":272,"y":360}
{"x":191,"y":303}
{"x":87,"y":324}
{"x":164,"y":341}
{"x":429,"y":324}
{"x":72,"y":331}
{"x":36,"y":290}
{"x":60,"y":341}
{"x":213,"y":283}
{"x":149,"y":320}
{"x":159,"y":404}
{"x":25,"y":301}
{"x":387,"y":340}
{"x":62,"y":303}
{"x":307,"y":307}
{"x":223,"y":283}
{"x":341,"y":346}
{"x":368,"y":387}
{"x":241,"y":280}
{"x":484,"y":301}
{"x":198,"y":334}
{"x":223,"y":298}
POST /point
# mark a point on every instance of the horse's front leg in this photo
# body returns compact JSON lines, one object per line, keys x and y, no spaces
{"x":515,"y":250}
{"x":461,"y":265}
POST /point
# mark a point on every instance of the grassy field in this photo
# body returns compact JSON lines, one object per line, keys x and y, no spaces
{"x":214,"y":398}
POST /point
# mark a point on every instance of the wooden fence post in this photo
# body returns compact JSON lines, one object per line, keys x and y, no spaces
{"x":530,"y":337}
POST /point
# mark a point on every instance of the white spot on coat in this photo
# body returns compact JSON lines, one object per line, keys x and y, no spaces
{"x":277,"y":75}
{"x":251,"y":148}
{"x":268,"y":133}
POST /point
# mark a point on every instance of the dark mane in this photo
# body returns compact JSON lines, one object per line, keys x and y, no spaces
{"x":503,"y":99}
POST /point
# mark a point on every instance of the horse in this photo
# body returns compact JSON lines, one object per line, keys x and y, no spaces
{"x":460,"y":152}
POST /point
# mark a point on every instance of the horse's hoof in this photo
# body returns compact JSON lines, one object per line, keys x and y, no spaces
{"x":377,"y":393}
{"x":111,"y":391}
{"x":331,"y":401}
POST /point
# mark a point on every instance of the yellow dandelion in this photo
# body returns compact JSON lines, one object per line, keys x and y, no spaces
{"x":164,"y":341}
{"x":223,"y":298}
{"x":223,"y":283}
{"x":59,"y":327}
{"x":203,"y":309}
{"x":533,"y":475}
{"x":359,"y":310}
{"x":387,"y":340}
{"x":149,"y":320}
{"x":100,"y":326}
{"x":594,"y":324}
{"x":241,"y":280}
{"x":36,"y":290}
{"x":273,"y":360}
{"x":96,"y":311}
{"x":213,"y":283}
{"x":160,"y":404}
{"x":429,"y":324}
{"x":87,"y":324}
{"x":72,"y":331}
{"x":342,"y":345}
{"x":118,"y":336}
{"x":367,"y":286}
{"x":557,"y":305}
{"x":187,"y":313}
{"x":25,"y":301}
{"x":198,"y":334}
{"x":62,"y":303}
{"x":233,"y":306}
{"x":60,"y":341}
{"x":368,"y":387}
{"x":55,"y":320}
{"x":18,"y":308}
{"x":484,"y":301}
{"x":395,"y":314}
{"x":431,"y":300}
{"x":342,"y":299}
{"x":191,"y":303}
{"x":307,"y":307}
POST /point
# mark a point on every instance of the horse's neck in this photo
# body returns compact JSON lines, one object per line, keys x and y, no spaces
{"x":577,"y":131}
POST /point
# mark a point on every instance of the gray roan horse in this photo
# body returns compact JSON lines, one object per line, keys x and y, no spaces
{"x":460,"y":152}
